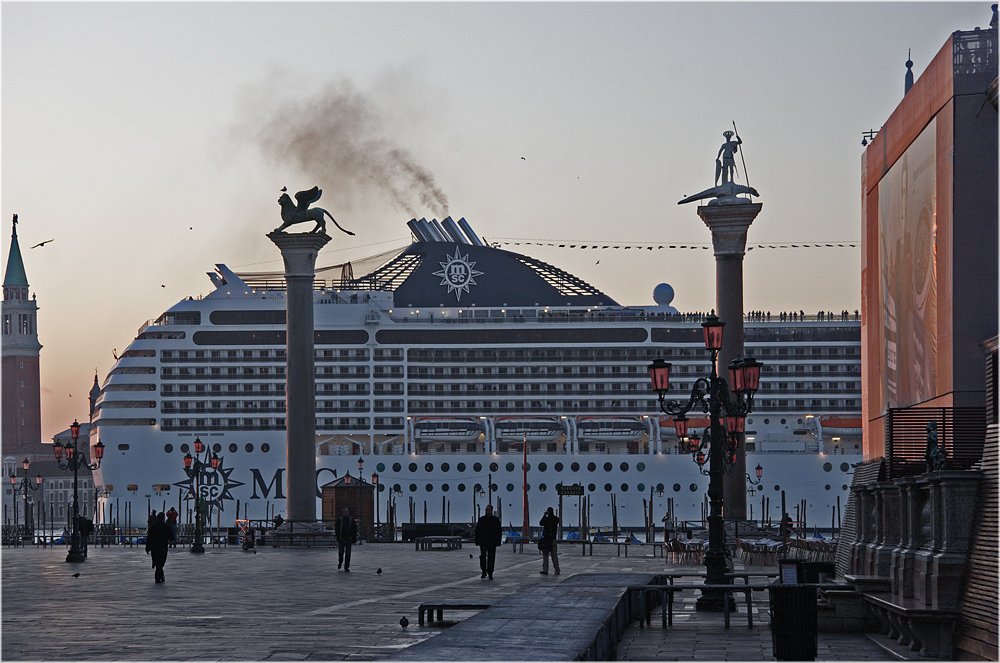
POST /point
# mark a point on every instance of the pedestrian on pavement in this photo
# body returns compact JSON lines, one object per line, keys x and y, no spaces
{"x":785,"y":528}
{"x":151,"y":520}
{"x":550,"y":527}
{"x":346,"y":529}
{"x":172,"y":524}
{"x":489,"y":535}
{"x":158,"y":538}
{"x":84,"y":526}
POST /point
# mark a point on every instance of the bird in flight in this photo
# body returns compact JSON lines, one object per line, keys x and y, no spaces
{"x":43,"y":243}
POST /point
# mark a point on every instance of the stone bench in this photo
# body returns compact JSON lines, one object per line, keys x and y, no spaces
{"x":912,"y":624}
{"x":440,"y":606}
{"x":657,"y":547}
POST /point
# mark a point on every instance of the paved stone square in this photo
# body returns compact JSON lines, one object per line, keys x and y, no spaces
{"x":293,"y":604}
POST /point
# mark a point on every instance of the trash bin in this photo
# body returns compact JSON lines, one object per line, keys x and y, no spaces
{"x":793,"y":622}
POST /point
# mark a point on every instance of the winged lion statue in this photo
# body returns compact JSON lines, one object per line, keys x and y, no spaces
{"x":299,"y":212}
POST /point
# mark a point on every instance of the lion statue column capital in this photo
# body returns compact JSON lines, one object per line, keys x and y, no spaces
{"x":299,"y":212}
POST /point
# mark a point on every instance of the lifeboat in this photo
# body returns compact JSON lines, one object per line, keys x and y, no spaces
{"x":835,"y":425}
{"x":667,"y":423}
{"x":447,"y":429}
{"x":610,"y":429}
{"x":534,"y":429}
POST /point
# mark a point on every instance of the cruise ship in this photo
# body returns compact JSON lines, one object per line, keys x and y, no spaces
{"x":440,"y":365}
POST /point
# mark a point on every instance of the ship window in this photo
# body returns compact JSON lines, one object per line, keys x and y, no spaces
{"x":559,"y":467}
{"x":777,"y":487}
{"x":412,"y":467}
{"x":233,"y":448}
{"x":444,"y":467}
{"x":844,"y":467}
{"x":267,"y":447}
{"x":694,"y":487}
{"x":121,"y":447}
{"x":216,"y":447}
{"x":575,"y":467}
{"x":477,"y":467}
{"x":461,"y":467}
{"x":591,"y":467}
{"x":641,"y":487}
{"x":429,"y":467}
{"x":248,"y":448}
{"x":168,"y":448}
{"x":641,"y":467}
{"x":624,"y":467}
{"x":461,"y":487}
{"x":444,"y":488}
{"x":827,"y":467}
{"x":413,"y":487}
{"x":185,"y":448}
{"x":624,"y":487}
{"x":494,"y":467}
{"x":510,"y":488}
{"x":542,"y":467}
{"x":591,"y":487}
{"x":828,"y":486}
{"x":844,"y":487}
{"x":541,"y":487}
{"x":509,"y":467}
{"x":607,"y":467}
{"x":494,"y":488}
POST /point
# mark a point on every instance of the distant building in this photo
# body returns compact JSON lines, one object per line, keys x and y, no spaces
{"x":21,"y":399}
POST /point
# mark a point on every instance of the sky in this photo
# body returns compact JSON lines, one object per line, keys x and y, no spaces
{"x":150,"y":141}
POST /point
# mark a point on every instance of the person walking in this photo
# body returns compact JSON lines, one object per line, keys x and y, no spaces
{"x":550,"y":527}
{"x":346,"y":529}
{"x":158,"y":538}
{"x":785,"y":528}
{"x":151,"y":520}
{"x":172,"y":524}
{"x":489,"y":536}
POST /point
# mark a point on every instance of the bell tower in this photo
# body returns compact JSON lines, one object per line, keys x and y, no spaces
{"x":21,"y":389}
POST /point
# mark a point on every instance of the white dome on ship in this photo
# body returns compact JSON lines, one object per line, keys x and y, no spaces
{"x":663,"y":294}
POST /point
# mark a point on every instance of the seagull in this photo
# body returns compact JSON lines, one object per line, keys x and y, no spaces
{"x":162,"y":286}
{"x":379,"y":571}
{"x":403,"y":621}
{"x":43,"y":243}
{"x":523,"y":159}
{"x":598,"y":262}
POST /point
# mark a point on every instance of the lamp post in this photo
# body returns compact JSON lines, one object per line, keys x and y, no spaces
{"x":722,"y":439}
{"x":21,"y":488}
{"x":75,"y":459}
{"x":196,"y":469}
{"x":361,"y":480}
{"x":375,"y":488}
{"x":658,"y":491}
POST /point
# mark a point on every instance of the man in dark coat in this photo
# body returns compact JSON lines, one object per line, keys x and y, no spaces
{"x":550,"y":528}
{"x":158,"y":538}
{"x":346,"y":529}
{"x":489,"y":535}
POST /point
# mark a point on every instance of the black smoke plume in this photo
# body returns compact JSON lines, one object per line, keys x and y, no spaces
{"x":340,"y":139}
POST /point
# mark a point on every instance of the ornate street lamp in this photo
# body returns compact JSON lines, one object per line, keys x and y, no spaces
{"x":361,"y":480}
{"x":75,"y":459}
{"x":713,"y":395}
{"x":375,"y":488}
{"x":197,"y":470}
{"x":751,"y":484}
{"x":22,"y":487}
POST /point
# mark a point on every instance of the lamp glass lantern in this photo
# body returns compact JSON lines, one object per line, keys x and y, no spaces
{"x":759,"y":470}
{"x":712,"y":328}
{"x":361,"y":465}
{"x":57,"y":450}
{"x":199,"y":446}
{"x":659,"y":373}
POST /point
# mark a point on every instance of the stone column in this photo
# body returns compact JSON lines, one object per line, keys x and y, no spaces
{"x":299,"y":252}
{"x":729,"y":224}
{"x":902,"y":556}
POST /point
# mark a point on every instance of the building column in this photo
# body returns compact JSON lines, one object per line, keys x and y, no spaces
{"x":299,"y":253}
{"x":729,"y":224}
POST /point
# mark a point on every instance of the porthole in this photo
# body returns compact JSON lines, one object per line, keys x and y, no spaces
{"x":216,"y":447}
{"x":477,"y":488}
{"x":265,"y":447}
{"x":168,"y":448}
{"x":844,"y":467}
{"x":542,"y":467}
{"x":827,"y":467}
{"x":477,"y":467}
{"x":461,"y":487}
{"x":607,"y":467}
{"x":494,"y":467}
{"x":541,"y":487}
{"x":445,"y":467}
{"x":380,"y":467}
{"x":800,"y":422}
{"x":509,"y":467}
{"x":444,"y":488}
{"x":575,"y":467}
{"x":677,"y":488}
{"x":397,"y":488}
{"x":749,"y":421}
{"x":461,"y":467}
{"x":659,"y":487}
{"x":844,"y":487}
{"x":510,"y":488}
{"x":381,"y":488}
{"x":429,"y":488}
{"x":494,"y":488}
{"x":412,"y":467}
{"x":624,"y":487}
{"x":396,"y":467}
{"x":783,"y":421}
{"x":694,"y":488}
{"x":428,"y":467}
{"x":185,"y":448}
{"x":640,"y":487}
{"x":559,"y":467}
{"x":641,"y":467}
{"x":608,"y":487}
{"x":591,"y":487}
{"x":828,"y":486}
{"x":248,"y":448}
{"x":767,"y":421}
{"x":233,"y":448}
{"x":777,"y":487}
{"x":624,"y":467}
{"x":526,"y":467}
{"x":413,"y":487}
{"x":591,"y":467}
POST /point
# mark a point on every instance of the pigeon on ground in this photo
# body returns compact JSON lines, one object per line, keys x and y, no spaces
{"x":404,"y":622}
{"x":378,"y":571}
{"x":76,"y":575}
{"x":470,"y":555}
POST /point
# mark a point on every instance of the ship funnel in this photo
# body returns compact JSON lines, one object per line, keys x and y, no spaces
{"x":454,"y":231}
{"x":418,"y":232}
{"x":429,"y":231}
{"x":473,"y":237}
{"x":437,"y":226}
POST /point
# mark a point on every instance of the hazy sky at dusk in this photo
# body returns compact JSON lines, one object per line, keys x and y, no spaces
{"x":150,"y":141}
